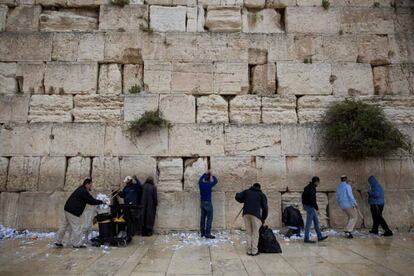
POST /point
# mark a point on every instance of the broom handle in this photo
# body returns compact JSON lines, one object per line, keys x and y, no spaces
{"x":234,"y":220}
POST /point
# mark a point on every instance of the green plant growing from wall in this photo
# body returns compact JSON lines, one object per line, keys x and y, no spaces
{"x":135,"y":89}
{"x":356,"y":130}
{"x":151,"y":120}
{"x":120,"y":3}
{"x":326,"y":4}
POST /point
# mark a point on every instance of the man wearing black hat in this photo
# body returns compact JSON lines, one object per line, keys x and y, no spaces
{"x":254,"y":214}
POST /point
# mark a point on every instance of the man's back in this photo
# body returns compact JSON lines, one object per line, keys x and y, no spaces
{"x":344,"y":195}
{"x":206,"y":185}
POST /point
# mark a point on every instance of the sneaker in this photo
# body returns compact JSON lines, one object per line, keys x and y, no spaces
{"x":202,"y":235}
{"x":323,"y":238}
{"x":309,"y":241}
{"x":255,"y":254}
{"x":79,"y":246}
{"x":387,"y":234}
{"x":349,"y":235}
{"x":374,"y":232}
{"x":249,"y":254}
{"x":209,"y":236}
{"x":58,"y":244}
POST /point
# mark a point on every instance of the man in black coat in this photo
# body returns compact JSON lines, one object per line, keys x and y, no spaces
{"x":255,"y":212}
{"x":310,"y":206}
{"x":149,"y":206}
{"x":292,"y":218}
{"x":74,"y":207}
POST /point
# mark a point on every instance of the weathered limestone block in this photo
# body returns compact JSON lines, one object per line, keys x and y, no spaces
{"x":4,"y":165}
{"x":396,"y":79}
{"x":212,"y":109}
{"x":311,"y":109}
{"x":194,"y":78}
{"x":195,"y":19}
{"x":398,"y":173}
{"x":3,"y":16}
{"x":168,"y":19}
{"x":120,"y":142}
{"x":31,"y":76}
{"x":178,"y":108}
{"x":65,"y":47}
{"x":304,"y":46}
{"x":52,"y":173}
{"x":194,"y":168}
{"x":352,"y":79}
{"x":68,"y":20}
{"x":280,"y":3}
{"x":338,"y":218}
{"x":74,"y":139}
{"x":23,"y":18}
{"x":110,"y":79}
{"x":279,"y":110}
{"x":232,"y":208}
{"x":223,"y":19}
{"x":78,"y":169}
{"x":25,"y":46}
{"x":132,"y":17}
{"x":8,"y":83}
{"x":14,"y":108}
{"x":373,"y":21}
{"x":51,"y":108}
{"x":340,"y":48}
{"x":398,"y":212}
{"x":245,"y":109}
{"x":121,"y":47}
{"x":271,"y":171}
{"x":157,"y":76}
{"x":401,"y":47}
{"x":254,"y":4}
{"x":398,"y":109}
{"x":262,"y":21}
{"x":257,"y":56}
{"x":98,"y":108}
{"x":23,"y":174}
{"x":300,"y":139}
{"x":136,"y":105}
{"x":91,"y":47}
{"x":106,"y":173}
{"x":261,"y":140}
{"x":90,"y":3}
{"x":234,"y":173}
{"x":71,"y":78}
{"x":133,"y":75}
{"x":58,"y":3}
{"x":172,"y":2}
{"x":141,"y":166}
{"x":29,"y":140}
{"x":404,"y":21}
{"x":373,"y":49}
{"x":78,"y":47}
{"x":303,"y":79}
{"x":196,"y":139}
{"x":312,"y":20}
{"x":8,"y":207}
{"x":263,"y":79}
{"x":170,"y":174}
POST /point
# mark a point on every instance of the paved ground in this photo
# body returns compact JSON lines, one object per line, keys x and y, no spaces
{"x":178,"y":255}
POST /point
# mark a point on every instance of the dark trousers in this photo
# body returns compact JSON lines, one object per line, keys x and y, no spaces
{"x":376,"y":212}
{"x":206,"y":218}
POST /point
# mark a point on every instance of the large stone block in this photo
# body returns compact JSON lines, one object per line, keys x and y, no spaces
{"x":399,"y":173}
{"x":106,"y":173}
{"x":367,"y":20}
{"x":194,"y":168}
{"x":23,"y":174}
{"x":136,"y":106}
{"x":250,"y":140}
{"x":194,"y":78}
{"x":231,"y":78}
{"x":403,"y":20}
{"x":263,"y":79}
{"x":14,"y":108}
{"x":398,"y":210}
{"x":110,"y":79}
{"x":78,"y":168}
{"x":399,"y":109}
{"x":8,"y":207}
{"x":303,"y":79}
{"x":71,"y":78}
{"x":68,"y":20}
{"x":120,"y":142}
{"x":212,"y":109}
{"x":312,"y":20}
{"x":78,"y":46}
{"x":352,"y":79}
{"x":300,"y":139}
{"x":341,"y":48}
{"x":311,"y":109}
{"x":51,"y":108}
{"x":141,"y":166}
{"x":262,"y":21}
{"x":25,"y":46}
{"x":25,"y":140}
{"x":52,"y":3}
{"x":73,"y":139}
{"x":3,"y":16}
{"x":178,"y":108}
{"x":123,"y":47}
{"x":254,"y":4}
{"x":234,"y":173}
{"x":23,"y":18}
{"x":271,"y":172}
{"x":88,"y":3}
{"x":373,"y":49}
{"x":8,"y":82}
{"x":196,"y":139}
{"x":195,"y":19}
{"x":279,"y":110}
{"x":168,"y":19}
{"x":132,"y":17}
{"x":98,"y":108}
{"x":170,"y":174}
{"x":91,"y":47}
{"x":52,"y":173}
{"x":396,"y":79}
{"x":401,"y":47}
{"x":157,"y":76}
{"x":305,"y":46}
{"x":31,"y":77}
{"x":223,"y":19}
{"x":4,"y":166}
{"x":132,"y":75}
{"x":245,"y":109}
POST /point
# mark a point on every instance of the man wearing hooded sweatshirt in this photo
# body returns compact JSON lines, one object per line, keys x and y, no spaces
{"x":206,"y":183}
{"x":348,"y":204}
{"x":376,"y":202}
{"x":254,"y":215}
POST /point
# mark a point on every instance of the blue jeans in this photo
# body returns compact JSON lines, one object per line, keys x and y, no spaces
{"x":206,"y":214}
{"x":311,"y":216}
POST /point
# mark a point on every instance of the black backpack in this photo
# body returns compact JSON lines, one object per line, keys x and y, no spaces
{"x":267,"y":241}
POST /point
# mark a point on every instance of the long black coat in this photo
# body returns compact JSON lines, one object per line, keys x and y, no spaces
{"x":149,"y":205}
{"x":77,"y":201}
{"x":255,"y":202}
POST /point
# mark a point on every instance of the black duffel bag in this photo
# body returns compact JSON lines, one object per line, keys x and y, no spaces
{"x":267,"y":241}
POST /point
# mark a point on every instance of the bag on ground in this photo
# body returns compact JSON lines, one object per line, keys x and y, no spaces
{"x":267,"y":241}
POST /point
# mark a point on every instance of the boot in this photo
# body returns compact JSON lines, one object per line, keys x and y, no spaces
{"x":209,"y":236}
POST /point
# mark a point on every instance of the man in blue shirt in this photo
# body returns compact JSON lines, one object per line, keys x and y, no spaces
{"x":348,"y":204}
{"x":206,"y":183}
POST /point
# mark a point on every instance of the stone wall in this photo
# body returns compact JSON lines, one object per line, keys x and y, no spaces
{"x":244,"y":84}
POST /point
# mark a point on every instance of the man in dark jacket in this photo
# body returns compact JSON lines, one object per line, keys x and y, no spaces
{"x":206,"y":183}
{"x":131,"y":194}
{"x":310,"y":206}
{"x":292,"y":218}
{"x":254,"y":215}
{"x":149,"y":206}
{"x":74,"y":207}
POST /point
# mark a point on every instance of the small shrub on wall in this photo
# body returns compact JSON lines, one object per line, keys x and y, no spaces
{"x":355,"y":130}
{"x":151,"y":120}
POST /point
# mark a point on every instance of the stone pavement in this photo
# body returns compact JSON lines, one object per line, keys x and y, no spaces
{"x":175,"y":255}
